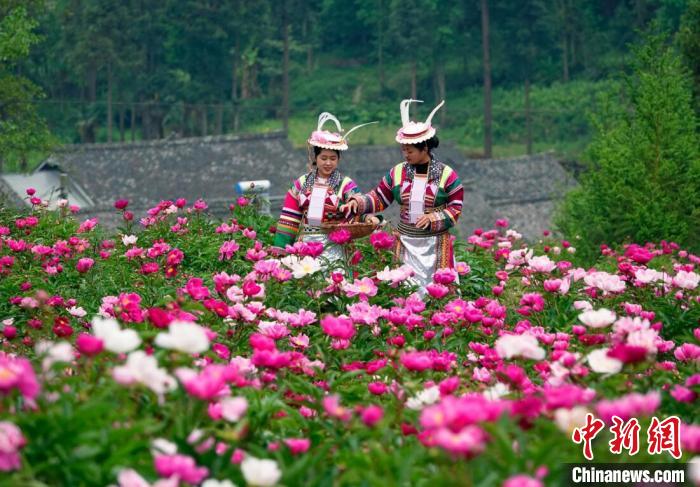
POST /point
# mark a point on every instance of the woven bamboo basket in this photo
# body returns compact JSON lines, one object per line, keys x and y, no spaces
{"x":356,"y":228}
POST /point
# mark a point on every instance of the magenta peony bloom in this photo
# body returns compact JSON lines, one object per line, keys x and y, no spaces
{"x":340,"y":237}
{"x":381,"y":240}
{"x":121,"y":204}
{"x":297,"y":445}
{"x":340,"y":327}
{"x":522,"y":481}
{"x":89,"y":345}
{"x":688,"y":352}
{"x":437,"y":291}
{"x":371,"y":415}
{"x":181,"y":465}
{"x":17,"y":373}
{"x":629,"y":406}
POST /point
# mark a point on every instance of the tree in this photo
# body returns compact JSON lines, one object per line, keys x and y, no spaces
{"x":486,"y":48}
{"x":644,"y":181}
{"x":689,"y":42}
{"x":22,"y":130}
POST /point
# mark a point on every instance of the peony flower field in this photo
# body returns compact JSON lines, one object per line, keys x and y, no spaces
{"x":181,"y":349}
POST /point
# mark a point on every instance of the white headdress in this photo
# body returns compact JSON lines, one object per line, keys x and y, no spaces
{"x":414,"y":132}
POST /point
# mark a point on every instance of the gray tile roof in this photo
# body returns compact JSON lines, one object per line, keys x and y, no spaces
{"x":522,"y":189}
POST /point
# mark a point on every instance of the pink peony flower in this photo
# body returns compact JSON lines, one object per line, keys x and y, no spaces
{"x":629,"y":406}
{"x":381,"y":240}
{"x":84,"y":265}
{"x":297,"y":445}
{"x":340,"y":327}
{"x":363,"y":288}
{"x":17,"y":373}
{"x":181,"y":465}
{"x":445,"y":276}
{"x":340,"y":237}
{"x":371,"y":415}
{"x":11,"y":441}
{"x":437,"y":291}
{"x":416,"y":361}
{"x":89,"y":345}
{"x":227,"y":249}
{"x":688,"y":352}
{"x":522,"y":481}
{"x":332,"y":407}
{"x":121,"y":204}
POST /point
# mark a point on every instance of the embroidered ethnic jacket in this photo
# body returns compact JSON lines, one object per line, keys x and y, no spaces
{"x":444,"y":194}
{"x":296,"y":205}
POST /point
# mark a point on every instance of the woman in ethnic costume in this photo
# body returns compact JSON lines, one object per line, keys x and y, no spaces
{"x":315,"y":197}
{"x":430,"y":194}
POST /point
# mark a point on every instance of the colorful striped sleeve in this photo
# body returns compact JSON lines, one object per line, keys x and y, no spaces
{"x":382,"y":196}
{"x":290,"y":219}
{"x":447,"y":218}
{"x":347,"y":189}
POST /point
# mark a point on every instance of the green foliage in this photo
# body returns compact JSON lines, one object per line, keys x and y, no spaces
{"x":87,"y":427}
{"x":170,"y":64}
{"x":22,"y":130}
{"x":643,"y":183}
{"x":689,"y":42}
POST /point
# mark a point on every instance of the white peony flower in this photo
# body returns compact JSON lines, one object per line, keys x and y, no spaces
{"x":260,"y":472}
{"x":597,"y":318}
{"x":54,"y":353}
{"x":424,"y":398}
{"x":694,"y":470}
{"x":129,"y":240}
{"x":601,"y":363}
{"x":305,"y":267}
{"x":496,"y":392}
{"x":233,"y":408}
{"x":686,"y":280}
{"x":609,"y":283}
{"x":542,"y":263}
{"x":585,"y":305}
{"x":114,"y":338}
{"x":648,"y":275}
{"x":184,"y":337}
{"x":161,"y":445}
{"x":526,"y":346}
{"x":143,"y":369}
{"x":567,"y":420}
{"x":217,"y":483}
{"x":77,"y":311}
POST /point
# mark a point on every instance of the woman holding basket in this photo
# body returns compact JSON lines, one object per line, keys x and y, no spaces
{"x":430,"y":194}
{"x":315,"y":197}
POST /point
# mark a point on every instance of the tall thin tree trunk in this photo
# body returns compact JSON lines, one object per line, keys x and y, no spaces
{"x":219,"y":119}
{"x":528,"y":118}
{"x":122,"y":108}
{"x":133,"y":122}
{"x":565,"y":57}
{"x":414,"y":88}
{"x":285,"y":67}
{"x":205,"y":128}
{"x":380,"y":47}
{"x":441,"y":91}
{"x":109,"y":102}
{"x":488,"y":137}
{"x":92,"y":83}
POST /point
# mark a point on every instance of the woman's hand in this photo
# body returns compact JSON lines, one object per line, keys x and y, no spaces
{"x":349,"y":207}
{"x":423,"y":221}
